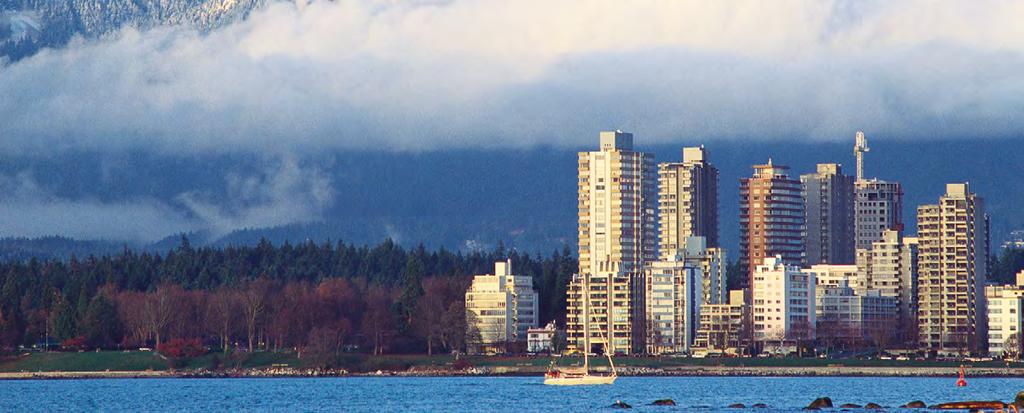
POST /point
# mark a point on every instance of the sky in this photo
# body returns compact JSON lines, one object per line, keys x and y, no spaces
{"x":297,"y":79}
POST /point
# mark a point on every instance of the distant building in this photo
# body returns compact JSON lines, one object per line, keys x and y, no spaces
{"x":1005,"y":318}
{"x":783,"y":306}
{"x":830,"y":275}
{"x":500,"y":307}
{"x":844,"y":316}
{"x":829,"y":228}
{"x":952,"y":268}
{"x":771,"y":218}
{"x":878,"y":208}
{"x":687,"y":202}
{"x":722,"y":326}
{"x":672,"y":305}
{"x":890,"y":268}
{"x":541,"y":340}
{"x":616,"y":240}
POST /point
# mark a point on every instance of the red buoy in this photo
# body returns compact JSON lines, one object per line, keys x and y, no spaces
{"x":962,"y":381}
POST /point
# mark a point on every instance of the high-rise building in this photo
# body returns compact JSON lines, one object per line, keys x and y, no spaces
{"x":771,"y":218}
{"x":1005,"y":305}
{"x":616,"y":206}
{"x":828,"y":206}
{"x":672,"y":305}
{"x":890,"y":268}
{"x":783,"y":305}
{"x":616,"y":241}
{"x":687,"y":202}
{"x":952,"y":268}
{"x":722,"y":326}
{"x":878,"y":208}
{"x":500,"y":307}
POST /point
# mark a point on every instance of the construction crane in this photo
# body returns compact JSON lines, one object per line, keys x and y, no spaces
{"x":859,"y":148}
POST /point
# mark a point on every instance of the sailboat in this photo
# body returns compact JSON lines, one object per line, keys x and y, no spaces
{"x":581,"y":375}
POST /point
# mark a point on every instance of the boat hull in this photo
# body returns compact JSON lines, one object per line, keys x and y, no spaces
{"x":579,"y":381}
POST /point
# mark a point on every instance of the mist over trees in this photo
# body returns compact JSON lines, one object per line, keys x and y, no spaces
{"x":321,"y":299}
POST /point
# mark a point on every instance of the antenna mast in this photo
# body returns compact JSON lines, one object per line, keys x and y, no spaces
{"x":859,"y":148}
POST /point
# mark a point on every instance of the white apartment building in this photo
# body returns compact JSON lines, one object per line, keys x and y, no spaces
{"x":541,"y":340}
{"x":616,"y":209}
{"x":672,"y":305}
{"x":500,"y":307}
{"x":832,"y":275}
{"x":783,"y":305}
{"x":1005,"y":318}
{"x":952,"y":268}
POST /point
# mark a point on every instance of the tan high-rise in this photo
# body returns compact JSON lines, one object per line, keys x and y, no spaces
{"x":890,"y":268}
{"x":952,"y":267}
{"x":878,"y":208}
{"x":616,"y":241}
{"x":687,"y":202}
{"x":771,"y":218}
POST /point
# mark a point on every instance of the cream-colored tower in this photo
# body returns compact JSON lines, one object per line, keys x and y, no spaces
{"x":616,"y":241}
{"x":952,"y":267}
{"x":890,"y":268}
{"x":687,"y":202}
{"x":501,"y":307}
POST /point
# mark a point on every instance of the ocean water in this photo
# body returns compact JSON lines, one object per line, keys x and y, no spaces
{"x":481,"y":394}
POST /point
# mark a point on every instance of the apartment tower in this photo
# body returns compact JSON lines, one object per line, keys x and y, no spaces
{"x":952,"y":267}
{"x":501,"y":307}
{"x":828,"y":202}
{"x":687,"y":202}
{"x":878,"y":208}
{"x":771,"y":218}
{"x":890,"y":268}
{"x":616,"y":240}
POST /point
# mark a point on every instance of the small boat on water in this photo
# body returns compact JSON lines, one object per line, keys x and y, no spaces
{"x":581,"y":375}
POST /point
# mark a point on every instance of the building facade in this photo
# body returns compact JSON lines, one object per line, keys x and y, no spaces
{"x":672,"y":305}
{"x":500,"y":307}
{"x":541,"y":340}
{"x":771,"y":218}
{"x":829,"y":275}
{"x":878,"y":208}
{"x":1005,"y":319}
{"x":723,"y":326}
{"x":783,"y":305}
{"x":616,"y":206}
{"x":843,"y":316}
{"x":828,"y":211}
{"x":687,"y":202}
{"x":890,"y":268}
{"x":952,"y":268}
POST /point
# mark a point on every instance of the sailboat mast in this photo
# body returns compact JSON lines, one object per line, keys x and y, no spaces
{"x":586,"y":322}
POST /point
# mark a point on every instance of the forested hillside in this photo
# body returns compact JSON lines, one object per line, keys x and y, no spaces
{"x":379,"y":299}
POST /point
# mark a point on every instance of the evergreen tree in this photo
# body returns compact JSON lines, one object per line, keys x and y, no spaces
{"x":101,"y":325}
{"x":65,"y":324}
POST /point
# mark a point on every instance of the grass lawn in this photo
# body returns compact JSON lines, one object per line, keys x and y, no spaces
{"x":140,"y":361}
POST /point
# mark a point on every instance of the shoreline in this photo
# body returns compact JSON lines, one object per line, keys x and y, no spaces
{"x":532,"y":371}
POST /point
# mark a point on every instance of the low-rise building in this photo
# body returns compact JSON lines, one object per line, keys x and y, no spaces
{"x":844,"y":317}
{"x":500,"y":308}
{"x":1005,"y":321}
{"x":722,"y":326}
{"x":834,"y":275}
{"x":541,"y":340}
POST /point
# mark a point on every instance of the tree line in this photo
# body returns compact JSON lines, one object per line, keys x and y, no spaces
{"x":327,"y":297}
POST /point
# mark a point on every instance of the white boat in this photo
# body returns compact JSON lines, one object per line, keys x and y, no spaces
{"x":579,"y":376}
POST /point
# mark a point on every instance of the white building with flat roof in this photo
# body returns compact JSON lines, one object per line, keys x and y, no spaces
{"x":500,"y":307}
{"x":783,"y":305}
{"x":1005,"y":319}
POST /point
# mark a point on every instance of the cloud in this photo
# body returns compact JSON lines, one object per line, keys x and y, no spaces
{"x":432,"y":75}
{"x":285,"y":192}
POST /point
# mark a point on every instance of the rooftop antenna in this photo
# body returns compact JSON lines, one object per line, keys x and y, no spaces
{"x":859,"y":148}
